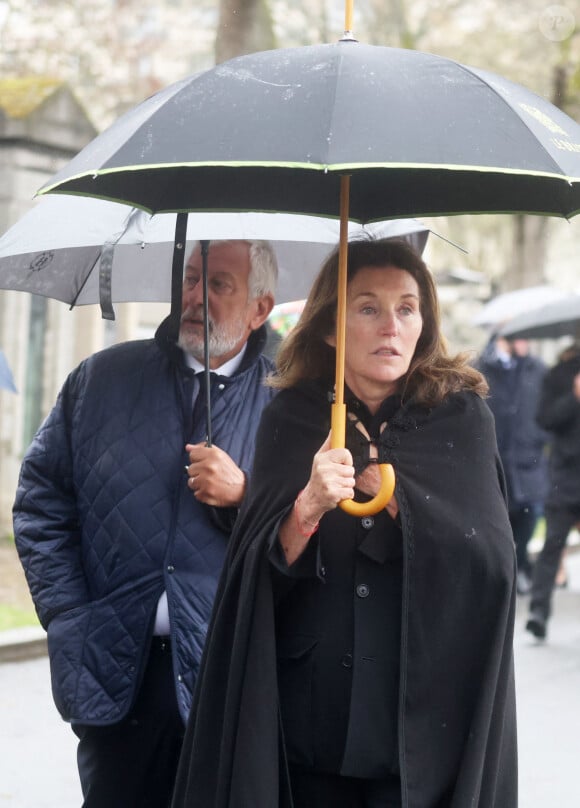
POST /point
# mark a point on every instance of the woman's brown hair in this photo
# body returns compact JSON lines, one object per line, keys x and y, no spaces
{"x":432,"y":374}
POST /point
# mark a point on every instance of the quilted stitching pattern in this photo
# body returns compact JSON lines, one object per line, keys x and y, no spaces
{"x":122,"y":479}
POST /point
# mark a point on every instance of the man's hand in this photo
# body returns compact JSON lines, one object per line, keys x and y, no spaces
{"x":214,"y":478}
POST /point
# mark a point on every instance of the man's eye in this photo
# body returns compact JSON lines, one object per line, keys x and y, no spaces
{"x":220,"y":286}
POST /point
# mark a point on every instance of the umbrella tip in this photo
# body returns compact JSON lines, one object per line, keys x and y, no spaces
{"x":348,"y":36}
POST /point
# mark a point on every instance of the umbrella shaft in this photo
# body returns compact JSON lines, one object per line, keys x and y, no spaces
{"x":341,"y":291}
{"x":348,"y":9}
{"x":204,"y":246}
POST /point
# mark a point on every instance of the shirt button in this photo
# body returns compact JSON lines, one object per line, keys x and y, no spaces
{"x":323,"y":571}
{"x":363,"y":591}
{"x":170,"y":568}
{"x":367,"y":522}
{"x":221,"y":387}
{"x":346,"y":661}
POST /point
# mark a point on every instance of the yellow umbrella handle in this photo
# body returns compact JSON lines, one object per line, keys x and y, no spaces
{"x":387,"y":489}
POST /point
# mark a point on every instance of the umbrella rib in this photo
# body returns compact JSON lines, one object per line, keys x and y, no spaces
{"x":504,"y":103}
{"x":84,"y":283}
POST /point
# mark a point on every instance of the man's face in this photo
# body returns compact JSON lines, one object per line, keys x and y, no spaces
{"x":520,"y":347}
{"x":232,"y":315}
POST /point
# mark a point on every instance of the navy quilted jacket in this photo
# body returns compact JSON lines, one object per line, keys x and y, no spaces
{"x":104,"y":521}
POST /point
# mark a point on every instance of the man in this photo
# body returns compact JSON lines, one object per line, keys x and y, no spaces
{"x":515,"y":379}
{"x":122,"y":549}
{"x":559,"y":412}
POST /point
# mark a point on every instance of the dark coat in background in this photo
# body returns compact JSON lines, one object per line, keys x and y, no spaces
{"x":457,"y":726}
{"x":559,"y":413}
{"x":514,"y":394}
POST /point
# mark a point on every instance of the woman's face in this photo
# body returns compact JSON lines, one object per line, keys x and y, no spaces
{"x":383,"y":325}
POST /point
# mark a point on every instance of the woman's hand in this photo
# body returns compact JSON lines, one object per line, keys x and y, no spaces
{"x":331,"y":480}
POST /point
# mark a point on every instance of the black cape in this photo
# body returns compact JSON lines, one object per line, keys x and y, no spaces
{"x":457,"y":728}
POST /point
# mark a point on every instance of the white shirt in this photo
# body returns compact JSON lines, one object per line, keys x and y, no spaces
{"x":162,"y":623}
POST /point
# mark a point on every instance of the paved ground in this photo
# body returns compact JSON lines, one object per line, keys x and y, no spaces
{"x":37,"y":750}
{"x":548,"y":699}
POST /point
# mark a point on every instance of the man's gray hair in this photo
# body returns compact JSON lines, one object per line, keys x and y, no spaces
{"x":263,"y":269}
{"x":263,"y":276}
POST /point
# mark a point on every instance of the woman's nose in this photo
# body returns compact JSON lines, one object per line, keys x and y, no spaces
{"x":388,"y":323}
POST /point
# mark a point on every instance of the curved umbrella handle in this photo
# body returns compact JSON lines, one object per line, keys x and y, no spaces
{"x":387,"y":489}
{"x":377,"y":503}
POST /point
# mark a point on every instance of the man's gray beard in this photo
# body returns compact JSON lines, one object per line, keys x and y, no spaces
{"x":222,"y":340}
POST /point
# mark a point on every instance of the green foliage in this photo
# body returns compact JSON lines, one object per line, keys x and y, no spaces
{"x":13,"y":617}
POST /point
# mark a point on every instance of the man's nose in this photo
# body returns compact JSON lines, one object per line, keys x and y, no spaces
{"x":193,"y":295}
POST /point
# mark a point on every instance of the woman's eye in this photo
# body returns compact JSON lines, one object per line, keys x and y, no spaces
{"x":368,"y":310}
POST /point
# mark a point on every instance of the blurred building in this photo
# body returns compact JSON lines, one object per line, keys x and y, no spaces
{"x":42,"y":126}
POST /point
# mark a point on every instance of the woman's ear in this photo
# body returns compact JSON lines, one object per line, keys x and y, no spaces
{"x":331,"y":340}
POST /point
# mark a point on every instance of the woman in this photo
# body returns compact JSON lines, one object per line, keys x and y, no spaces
{"x":364,"y":662}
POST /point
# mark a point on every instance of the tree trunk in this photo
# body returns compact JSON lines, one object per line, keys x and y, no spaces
{"x":530,"y":249}
{"x":244,"y":26}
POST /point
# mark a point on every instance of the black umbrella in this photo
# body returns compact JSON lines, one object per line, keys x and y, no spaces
{"x":560,"y":318}
{"x":285,"y":130}
{"x":276,"y":130}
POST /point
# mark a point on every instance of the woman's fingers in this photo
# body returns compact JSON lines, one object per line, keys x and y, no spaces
{"x":331,"y":478}
{"x":335,"y":455}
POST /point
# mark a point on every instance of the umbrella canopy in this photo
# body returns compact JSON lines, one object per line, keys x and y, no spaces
{"x":561,"y":318}
{"x":508,"y":305}
{"x":284,"y":131}
{"x":81,"y":250}
{"x":421,"y":135}
{"x":6,"y":378}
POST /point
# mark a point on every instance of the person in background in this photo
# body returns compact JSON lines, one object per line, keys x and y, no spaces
{"x":122,"y":548}
{"x":559,"y":413}
{"x":364,"y":661}
{"x":515,"y":379}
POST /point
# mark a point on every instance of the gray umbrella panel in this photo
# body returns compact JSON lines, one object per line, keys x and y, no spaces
{"x":420,"y":134}
{"x":504,"y":307}
{"x":560,"y":318}
{"x":64,"y":247}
